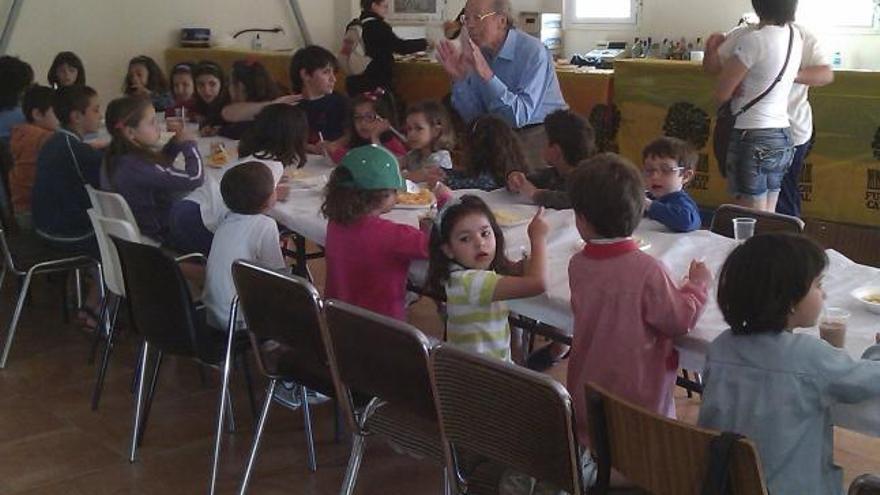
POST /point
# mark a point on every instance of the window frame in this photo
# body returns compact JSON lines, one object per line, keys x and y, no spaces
{"x":571,"y":20}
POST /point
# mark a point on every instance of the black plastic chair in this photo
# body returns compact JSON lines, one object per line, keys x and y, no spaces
{"x":25,"y":255}
{"x":766,"y":222}
{"x":286,"y":309}
{"x":866,"y":484}
{"x":372,"y":355}
{"x":163,"y":313}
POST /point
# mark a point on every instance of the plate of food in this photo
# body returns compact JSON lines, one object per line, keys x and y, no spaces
{"x":869,"y":296}
{"x":219,"y":156}
{"x":508,"y":218}
{"x":422,"y":199}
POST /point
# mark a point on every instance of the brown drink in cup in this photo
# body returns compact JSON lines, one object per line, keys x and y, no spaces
{"x":832,"y":326}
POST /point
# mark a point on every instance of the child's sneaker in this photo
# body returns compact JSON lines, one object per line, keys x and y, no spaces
{"x":286,"y":394}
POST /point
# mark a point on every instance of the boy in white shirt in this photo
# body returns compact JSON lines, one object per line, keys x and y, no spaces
{"x":245,"y":233}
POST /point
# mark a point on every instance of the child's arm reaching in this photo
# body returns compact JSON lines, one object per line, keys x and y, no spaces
{"x":671,"y":310}
{"x":534,"y":280}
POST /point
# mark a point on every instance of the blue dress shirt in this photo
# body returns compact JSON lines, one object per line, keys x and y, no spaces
{"x":523,"y":90}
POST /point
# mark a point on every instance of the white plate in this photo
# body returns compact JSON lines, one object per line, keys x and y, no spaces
{"x":422,"y":206}
{"x":509,"y":218}
{"x":863,"y":292}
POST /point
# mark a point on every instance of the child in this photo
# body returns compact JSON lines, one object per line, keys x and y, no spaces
{"x":26,"y":141}
{"x":772,"y":385}
{"x":245,"y":233}
{"x":626,"y":307}
{"x":17,"y":76}
{"x":469,"y":265}
{"x":494,"y":152}
{"x":182,"y":90}
{"x":368,"y":256}
{"x":278,"y":139}
{"x":67,"y":69}
{"x":669,"y":166}
{"x":370,"y":124}
{"x":210,"y":97}
{"x":65,"y":165}
{"x":144,"y":177}
{"x":251,"y":89}
{"x":430,"y":137}
{"x":570,"y":140}
{"x":313,"y":74}
{"x":145,"y":78}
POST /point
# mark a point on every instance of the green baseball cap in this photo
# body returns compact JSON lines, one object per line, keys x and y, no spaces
{"x":373,"y":167}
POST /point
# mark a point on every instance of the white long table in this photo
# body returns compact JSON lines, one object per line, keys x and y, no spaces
{"x":300,"y":212}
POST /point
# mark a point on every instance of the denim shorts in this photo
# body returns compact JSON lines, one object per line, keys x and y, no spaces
{"x":757,"y":160}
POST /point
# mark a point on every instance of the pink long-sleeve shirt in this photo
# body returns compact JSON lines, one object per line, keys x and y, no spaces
{"x":626,"y":312}
{"x":368,"y":262}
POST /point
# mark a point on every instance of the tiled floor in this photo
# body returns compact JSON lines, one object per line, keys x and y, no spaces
{"x":52,"y":443}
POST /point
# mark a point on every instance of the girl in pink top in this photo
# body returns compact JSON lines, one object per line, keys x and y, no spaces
{"x":627,"y":309}
{"x":368,"y":256}
{"x":370,"y":124}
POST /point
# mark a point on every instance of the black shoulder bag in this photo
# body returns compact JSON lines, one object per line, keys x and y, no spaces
{"x":725,"y":119}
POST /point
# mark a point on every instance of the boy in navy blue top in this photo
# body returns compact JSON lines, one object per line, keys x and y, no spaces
{"x":64,"y":166}
{"x":313,"y":74}
{"x":669,"y":165}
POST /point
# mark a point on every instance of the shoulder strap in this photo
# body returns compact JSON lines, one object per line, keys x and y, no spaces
{"x":716,"y":482}
{"x":766,"y":92}
{"x":76,"y":165}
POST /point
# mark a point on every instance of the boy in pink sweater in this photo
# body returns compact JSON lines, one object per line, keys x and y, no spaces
{"x":627,"y":309}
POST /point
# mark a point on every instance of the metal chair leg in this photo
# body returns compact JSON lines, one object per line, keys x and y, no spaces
{"x":16,"y":315}
{"x":230,"y":413}
{"x":137,"y":370}
{"x":249,"y":381}
{"x":77,"y":277}
{"x":152,"y":392}
{"x":252,"y":458}
{"x":102,"y":328}
{"x":354,"y":464}
{"x":310,"y":439}
{"x":446,"y":487}
{"x":105,"y":359}
{"x":224,"y":397}
{"x":141,"y":378}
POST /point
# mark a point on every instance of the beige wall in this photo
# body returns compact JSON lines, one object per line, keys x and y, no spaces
{"x":107,"y":33}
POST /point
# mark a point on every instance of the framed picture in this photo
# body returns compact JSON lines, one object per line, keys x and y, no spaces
{"x":417,"y":10}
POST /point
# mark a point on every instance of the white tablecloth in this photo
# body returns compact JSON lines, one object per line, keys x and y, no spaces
{"x":301,"y":212}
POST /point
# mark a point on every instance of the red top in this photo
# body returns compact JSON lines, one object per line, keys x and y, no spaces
{"x":368,"y":262}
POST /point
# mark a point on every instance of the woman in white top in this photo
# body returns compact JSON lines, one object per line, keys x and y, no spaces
{"x":761,"y":147}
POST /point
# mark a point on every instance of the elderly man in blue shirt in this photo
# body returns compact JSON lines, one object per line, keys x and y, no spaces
{"x":502,"y":71}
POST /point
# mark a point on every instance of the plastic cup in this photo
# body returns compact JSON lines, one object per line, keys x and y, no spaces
{"x":832,"y":326}
{"x":173,"y":124}
{"x":743,"y":228}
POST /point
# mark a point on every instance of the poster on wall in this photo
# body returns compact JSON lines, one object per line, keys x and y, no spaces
{"x":417,"y":10}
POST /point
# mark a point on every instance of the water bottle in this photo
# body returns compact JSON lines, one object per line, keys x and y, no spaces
{"x":837,"y":61}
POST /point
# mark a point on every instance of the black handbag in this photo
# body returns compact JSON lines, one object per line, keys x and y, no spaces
{"x":717,"y":481}
{"x":725,"y":119}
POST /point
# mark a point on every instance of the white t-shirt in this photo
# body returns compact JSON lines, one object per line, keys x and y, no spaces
{"x":248,"y":237}
{"x":800,"y":114}
{"x":208,"y":196}
{"x":763,"y":52}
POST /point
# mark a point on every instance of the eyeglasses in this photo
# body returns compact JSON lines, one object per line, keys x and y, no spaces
{"x":365,"y":117}
{"x":465,"y":18}
{"x":648,"y":172}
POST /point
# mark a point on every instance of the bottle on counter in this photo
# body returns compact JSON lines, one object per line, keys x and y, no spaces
{"x":837,"y":60}
{"x":257,"y":43}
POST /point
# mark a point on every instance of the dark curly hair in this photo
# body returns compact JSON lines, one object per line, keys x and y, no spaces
{"x":669,"y":147}
{"x":66,"y":58}
{"x":279,"y":132}
{"x":17,"y":76}
{"x":494,"y":149}
{"x":156,"y":81}
{"x":345,"y":204}
{"x":438,"y":262}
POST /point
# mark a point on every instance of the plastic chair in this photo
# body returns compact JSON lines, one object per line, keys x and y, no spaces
{"x":767,"y":222}
{"x":286,"y":309}
{"x":507,"y":415}
{"x":163,"y":313}
{"x":7,"y":216}
{"x":658,"y":454}
{"x":380,"y":357}
{"x":115,"y":288}
{"x":866,"y":484}
{"x":113,"y":205}
{"x":26,"y":255}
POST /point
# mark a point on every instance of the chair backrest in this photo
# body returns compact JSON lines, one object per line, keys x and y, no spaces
{"x":288,"y":310}
{"x":378,"y":356}
{"x":105,"y":227}
{"x":159,"y":300}
{"x":866,"y":484}
{"x":7,"y":216}
{"x":661,"y":455}
{"x":508,"y":414}
{"x":111,"y":205}
{"x":767,"y":222}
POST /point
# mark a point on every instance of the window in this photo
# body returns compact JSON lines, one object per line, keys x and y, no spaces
{"x":826,"y":14}
{"x":602,"y":11}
